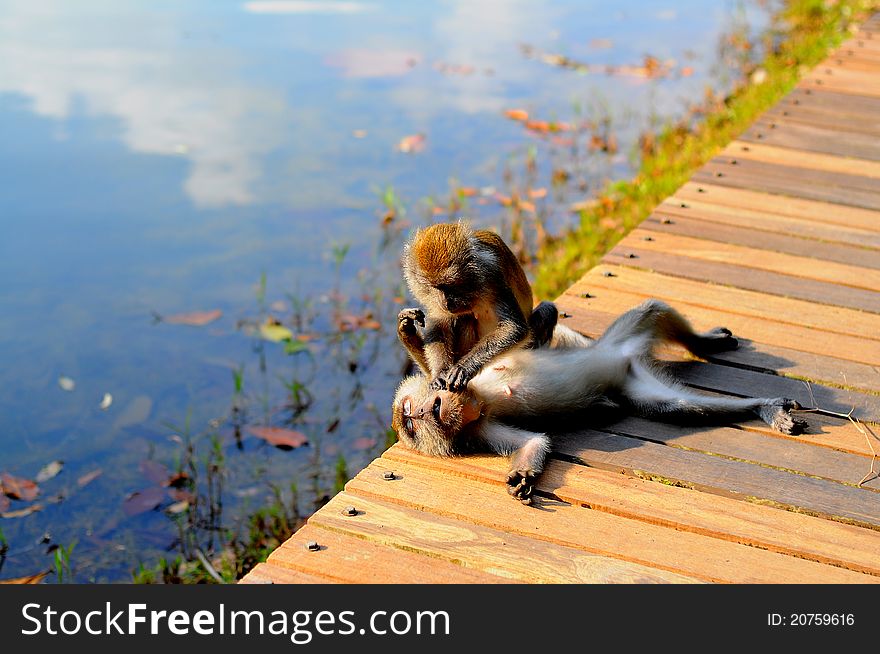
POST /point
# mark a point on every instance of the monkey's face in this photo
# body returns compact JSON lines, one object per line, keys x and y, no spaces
{"x":456,"y":298}
{"x":429,"y":421}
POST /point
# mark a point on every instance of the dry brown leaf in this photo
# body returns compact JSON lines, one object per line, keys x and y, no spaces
{"x":143,"y":501}
{"x":30,"y":579}
{"x":18,"y":488}
{"x":89,"y":477}
{"x":412,"y":143}
{"x":517,"y":114}
{"x":22,"y":513}
{"x":283,"y":439}
{"x":194,"y":318}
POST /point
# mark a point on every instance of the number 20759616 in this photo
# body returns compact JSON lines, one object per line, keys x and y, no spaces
{"x":810,"y":620}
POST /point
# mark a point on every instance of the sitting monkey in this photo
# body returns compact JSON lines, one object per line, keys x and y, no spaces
{"x":570,"y":376}
{"x":477,"y":299}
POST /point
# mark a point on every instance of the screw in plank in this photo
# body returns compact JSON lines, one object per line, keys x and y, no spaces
{"x":796,"y":102}
{"x":565,"y":315}
{"x":772,"y":125}
{"x":733,"y":162}
{"x":349,"y":511}
{"x":648,"y":238}
{"x":685,"y":205}
{"x":784,"y":113}
{"x":719,"y":174}
{"x":701,"y":190}
{"x":745,"y":148}
{"x":759,"y":135}
{"x":608,"y":273}
{"x":667,"y":221}
{"x":587,"y":296}
{"x":388,"y":475}
{"x":818,"y":82}
{"x":312,"y":546}
{"x":828,"y":71}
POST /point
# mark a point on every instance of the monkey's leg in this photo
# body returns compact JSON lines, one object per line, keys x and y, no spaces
{"x":528,"y":451}
{"x":655,"y":396}
{"x":410,"y":338}
{"x":656,"y":320}
{"x":542,"y":322}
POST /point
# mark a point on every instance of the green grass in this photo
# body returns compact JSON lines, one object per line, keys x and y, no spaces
{"x":810,"y":29}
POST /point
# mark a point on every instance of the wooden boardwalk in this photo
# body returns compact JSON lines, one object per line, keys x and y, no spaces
{"x":777,"y":238}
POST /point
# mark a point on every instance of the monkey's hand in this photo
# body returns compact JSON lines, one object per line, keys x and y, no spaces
{"x":521,"y":484}
{"x":455,"y":379}
{"x":407,"y":319}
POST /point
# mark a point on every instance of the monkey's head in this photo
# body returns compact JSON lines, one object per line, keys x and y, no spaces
{"x":443,"y":269}
{"x":430,"y":421}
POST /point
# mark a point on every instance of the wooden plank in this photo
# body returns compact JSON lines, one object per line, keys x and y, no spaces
{"x":266,"y":573}
{"x":835,"y":118}
{"x":684,"y":509}
{"x":721,"y":476}
{"x":786,"y":264}
{"x":795,"y":184}
{"x":557,"y":549}
{"x":772,"y":154}
{"x":794,"y":455}
{"x":728,"y":378}
{"x":742,"y":277}
{"x":825,"y":212}
{"x":813,"y":138}
{"x":727,"y":166}
{"x":839,"y":85}
{"x":762,"y":223}
{"x":345,"y":558}
{"x":694,"y":555}
{"x":675,"y":219}
{"x":588,"y":319}
{"x":786,"y":311}
{"x":827,"y":99}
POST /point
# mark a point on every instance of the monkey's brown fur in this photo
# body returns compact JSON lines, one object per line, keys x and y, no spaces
{"x":477,"y":300}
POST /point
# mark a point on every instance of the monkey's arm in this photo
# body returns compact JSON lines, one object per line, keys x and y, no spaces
{"x":528,"y":451}
{"x":438,"y":348}
{"x":512,"y":329}
{"x":411,"y":339}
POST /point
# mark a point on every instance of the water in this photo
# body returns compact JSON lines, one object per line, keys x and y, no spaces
{"x":164,"y":157}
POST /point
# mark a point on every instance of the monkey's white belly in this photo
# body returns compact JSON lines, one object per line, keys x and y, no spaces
{"x":532,"y":382}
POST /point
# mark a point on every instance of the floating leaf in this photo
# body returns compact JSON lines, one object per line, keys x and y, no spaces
{"x":154,"y":471}
{"x":283,"y":439}
{"x":350,"y":322}
{"x":89,"y":477}
{"x":66,"y":383}
{"x":517,"y":114}
{"x":537,"y":193}
{"x":18,"y":488}
{"x":143,"y":501}
{"x":181,"y":495}
{"x":274,"y":331}
{"x":22,"y":513}
{"x":49,"y":471}
{"x":177,"y":507}
{"x":177,"y":480}
{"x":106,"y":401}
{"x":687,"y":71}
{"x":135,"y":412}
{"x":194,"y":318}
{"x":364,"y":443}
{"x":30,"y":579}
{"x":412,"y":144}
{"x":295,"y":346}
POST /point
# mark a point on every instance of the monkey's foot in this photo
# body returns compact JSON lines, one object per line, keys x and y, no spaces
{"x":778,"y":415}
{"x":715,"y":340}
{"x":521,"y":485}
{"x":407,"y":318}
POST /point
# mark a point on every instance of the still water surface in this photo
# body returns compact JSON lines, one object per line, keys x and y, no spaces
{"x":163,"y":157}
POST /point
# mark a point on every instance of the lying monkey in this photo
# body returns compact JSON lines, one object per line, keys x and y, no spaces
{"x":571,"y":375}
